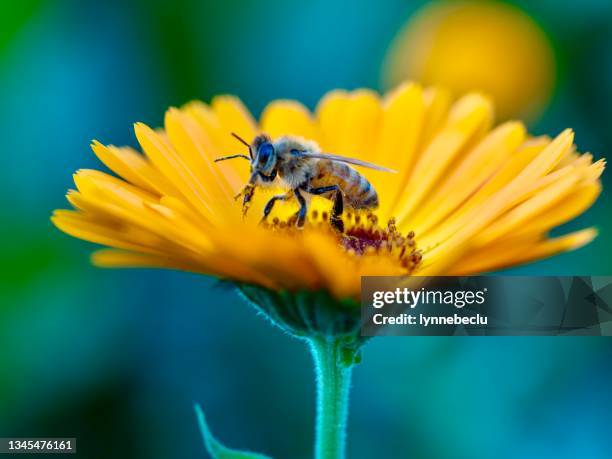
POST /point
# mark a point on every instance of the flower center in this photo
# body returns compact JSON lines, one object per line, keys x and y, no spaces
{"x":362,"y":236}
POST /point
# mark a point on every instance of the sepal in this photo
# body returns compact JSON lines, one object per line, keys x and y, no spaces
{"x":306,"y":314}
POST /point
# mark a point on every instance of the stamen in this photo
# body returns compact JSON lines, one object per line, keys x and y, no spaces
{"x":361,"y":238}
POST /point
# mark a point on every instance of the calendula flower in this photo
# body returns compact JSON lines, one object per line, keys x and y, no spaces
{"x":468,"y":197}
{"x":470,"y":45}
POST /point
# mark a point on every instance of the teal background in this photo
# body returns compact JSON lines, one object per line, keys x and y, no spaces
{"x":116,"y":358}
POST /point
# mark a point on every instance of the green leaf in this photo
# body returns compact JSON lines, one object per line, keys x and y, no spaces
{"x":216,"y":449}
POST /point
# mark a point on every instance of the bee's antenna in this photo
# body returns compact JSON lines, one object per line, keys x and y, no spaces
{"x":223,"y":158}
{"x":240,"y":139}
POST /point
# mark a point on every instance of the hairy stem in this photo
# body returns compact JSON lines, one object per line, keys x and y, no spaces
{"x":333,"y":371}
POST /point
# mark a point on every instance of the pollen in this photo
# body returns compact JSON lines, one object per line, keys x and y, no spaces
{"x":362,"y":236}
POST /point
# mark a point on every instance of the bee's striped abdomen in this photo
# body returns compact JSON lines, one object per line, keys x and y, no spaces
{"x":358,"y":192}
{"x":367,"y":198}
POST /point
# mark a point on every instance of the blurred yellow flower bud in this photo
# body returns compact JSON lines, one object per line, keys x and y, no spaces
{"x":486,"y":46}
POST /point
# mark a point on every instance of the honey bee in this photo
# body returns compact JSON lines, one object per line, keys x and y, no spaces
{"x":303,"y":168}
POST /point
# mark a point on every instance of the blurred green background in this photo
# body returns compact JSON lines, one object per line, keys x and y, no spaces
{"x":116,"y":358}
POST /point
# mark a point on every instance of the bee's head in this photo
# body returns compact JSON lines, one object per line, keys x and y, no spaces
{"x":264,"y":154}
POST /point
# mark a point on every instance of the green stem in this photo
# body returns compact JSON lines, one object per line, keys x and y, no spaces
{"x":333,"y":383}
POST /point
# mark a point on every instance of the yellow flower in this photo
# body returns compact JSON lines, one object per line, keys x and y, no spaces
{"x":477,"y":197}
{"x":475,"y":45}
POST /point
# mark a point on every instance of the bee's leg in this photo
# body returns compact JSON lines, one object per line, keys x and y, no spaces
{"x":248,"y":193}
{"x":336,"y":214}
{"x":301,"y":214}
{"x":239,"y":195}
{"x":271,"y":202}
{"x":338,"y":207}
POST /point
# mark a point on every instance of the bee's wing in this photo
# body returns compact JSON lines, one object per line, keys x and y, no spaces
{"x":344,"y":159}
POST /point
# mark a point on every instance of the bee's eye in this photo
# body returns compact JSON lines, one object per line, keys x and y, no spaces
{"x":265,"y":151}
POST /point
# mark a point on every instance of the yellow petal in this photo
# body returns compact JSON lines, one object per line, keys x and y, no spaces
{"x":400,"y":131}
{"x":513,"y":253}
{"x":191,"y":144}
{"x":470,"y":174}
{"x":109,"y":199}
{"x":234,"y":116}
{"x":542,"y":201}
{"x":578,"y":202}
{"x":437,"y":104}
{"x":330,"y":113}
{"x":79,"y":226}
{"x":288,"y":117}
{"x":348,"y":123}
{"x":468,"y":119}
{"x":109,"y":258}
{"x":134,"y":168}
{"x":474,"y":218}
{"x":169,"y":163}
{"x":334,"y":265}
{"x":221,"y":143}
{"x":223,"y":268}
